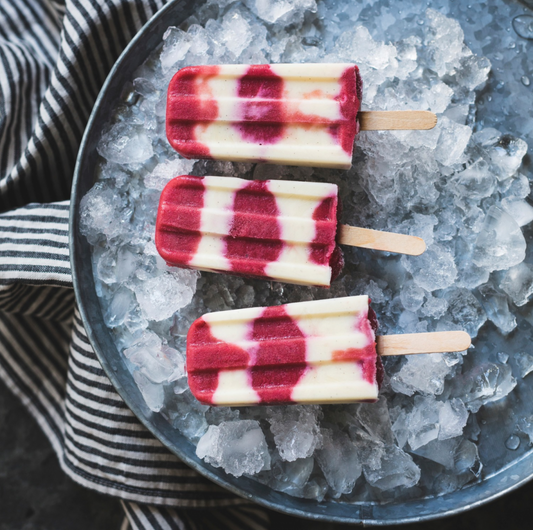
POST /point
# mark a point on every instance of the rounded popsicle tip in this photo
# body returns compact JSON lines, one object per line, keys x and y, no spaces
{"x":431,"y":120}
{"x":463,"y":340}
{"x":417,"y":246}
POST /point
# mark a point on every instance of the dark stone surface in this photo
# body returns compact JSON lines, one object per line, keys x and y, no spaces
{"x":35,"y":494}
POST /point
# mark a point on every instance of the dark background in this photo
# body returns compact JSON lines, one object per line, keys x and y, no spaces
{"x":35,"y":494}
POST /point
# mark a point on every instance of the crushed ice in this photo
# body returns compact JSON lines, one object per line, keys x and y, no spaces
{"x":458,"y":186}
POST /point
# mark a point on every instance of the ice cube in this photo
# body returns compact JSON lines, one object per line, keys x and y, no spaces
{"x":440,"y":451}
{"x":423,"y":422}
{"x":396,"y":469}
{"x":434,"y":269}
{"x":500,"y":244}
{"x":160,"y":297}
{"x":400,"y":426}
{"x":148,"y":355}
{"x":504,"y":152}
{"x":473,"y":71}
{"x":145,"y":88}
{"x":453,"y":140}
{"x":476,"y":181}
{"x":153,"y":393}
{"x":518,"y":283}
{"x":125,"y":144}
{"x":374,"y":418}
{"x":464,"y":312}
{"x":452,"y":419}
{"x":291,"y":477}
{"x":483,"y":383}
{"x":175,"y":48}
{"x":236,"y":32}
{"x":521,"y":211}
{"x":119,"y":307}
{"x":495,"y":304}
{"x":103,"y":212}
{"x":284,"y":12}
{"x":443,"y":43}
{"x":421,"y":373}
{"x":295,"y":429}
{"x":466,"y":459}
{"x":238,"y":447}
{"x":166,"y":171}
{"x":339,"y":461}
{"x":434,"y":307}
{"x":524,"y":361}
{"x":412,"y":296}
{"x":191,"y":424}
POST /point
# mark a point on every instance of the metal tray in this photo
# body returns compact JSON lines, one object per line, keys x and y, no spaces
{"x":511,"y":476}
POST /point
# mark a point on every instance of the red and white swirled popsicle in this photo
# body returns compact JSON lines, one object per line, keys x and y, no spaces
{"x":295,"y":114}
{"x":308,"y":352}
{"x":272,"y":229}
{"x":321,"y":352}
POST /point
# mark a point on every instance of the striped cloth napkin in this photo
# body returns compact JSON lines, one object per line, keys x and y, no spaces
{"x":54,"y":57}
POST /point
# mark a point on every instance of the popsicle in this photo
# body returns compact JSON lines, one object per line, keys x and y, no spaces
{"x":295,"y":114}
{"x":321,"y":352}
{"x":273,"y":229}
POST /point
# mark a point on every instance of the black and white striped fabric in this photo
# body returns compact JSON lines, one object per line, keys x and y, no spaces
{"x":54,"y":57}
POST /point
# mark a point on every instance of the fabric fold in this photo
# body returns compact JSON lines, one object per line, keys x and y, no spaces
{"x":54,"y":58}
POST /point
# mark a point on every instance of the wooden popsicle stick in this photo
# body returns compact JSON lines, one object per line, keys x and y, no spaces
{"x":410,"y":343}
{"x":388,"y":120}
{"x":377,"y":240}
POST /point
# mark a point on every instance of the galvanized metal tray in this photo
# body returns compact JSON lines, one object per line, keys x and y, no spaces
{"x":506,"y":475}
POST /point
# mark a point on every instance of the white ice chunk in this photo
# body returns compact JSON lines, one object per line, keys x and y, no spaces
{"x":500,"y":244}
{"x":452,"y":419}
{"x":238,"y":447}
{"x":148,"y":355}
{"x":434,"y":269}
{"x":497,"y":308}
{"x":412,"y":296}
{"x":295,"y":429}
{"x":175,"y":48}
{"x":443,"y":43}
{"x":520,"y":210}
{"x":396,"y":469}
{"x":237,"y":33}
{"x":476,"y":181}
{"x":473,"y":71}
{"x":423,"y":422}
{"x":431,"y":420}
{"x":118,"y":309}
{"x":518,"y":283}
{"x":453,"y":140}
{"x":281,"y":11}
{"x":504,"y":152}
{"x":125,"y":144}
{"x":160,"y":297}
{"x":483,"y":383}
{"x":464,"y":312}
{"x":167,"y":170}
{"x":421,"y":373}
{"x":339,"y":461}
{"x":103,"y":212}
{"x":153,"y":393}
